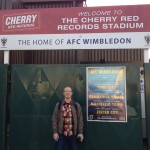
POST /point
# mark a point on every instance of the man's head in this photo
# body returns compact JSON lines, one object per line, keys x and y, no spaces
{"x":67,"y":92}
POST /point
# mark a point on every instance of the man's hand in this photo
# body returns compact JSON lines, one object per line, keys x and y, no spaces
{"x":55,"y":136}
{"x":80,"y":137}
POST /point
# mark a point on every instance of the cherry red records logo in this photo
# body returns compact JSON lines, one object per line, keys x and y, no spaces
{"x":23,"y":21}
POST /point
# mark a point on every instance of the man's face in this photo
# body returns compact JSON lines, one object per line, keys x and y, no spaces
{"x":67,"y":92}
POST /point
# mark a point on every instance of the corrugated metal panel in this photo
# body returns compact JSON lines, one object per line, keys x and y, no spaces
{"x":77,"y":56}
{"x":43,"y":57}
{"x":51,"y":5}
{"x":17,"y":57}
{"x":114,"y":55}
{"x":2,"y":4}
{"x":46,"y":5}
{"x":54,"y":57}
{"x":5,"y":4}
{"x":17,"y":4}
{"x":30,"y":1}
{"x":1,"y":57}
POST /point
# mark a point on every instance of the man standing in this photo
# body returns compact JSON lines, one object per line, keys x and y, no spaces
{"x":67,"y":122}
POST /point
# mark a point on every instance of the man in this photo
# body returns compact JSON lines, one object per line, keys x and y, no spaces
{"x":67,"y":122}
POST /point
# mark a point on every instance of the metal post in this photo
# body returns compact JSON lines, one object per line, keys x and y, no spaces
{"x":149,"y":55}
{"x":6,"y":57}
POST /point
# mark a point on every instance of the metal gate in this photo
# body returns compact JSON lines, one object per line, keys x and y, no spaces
{"x":37,"y":88}
{"x":147,"y":99}
{"x":3,"y":94}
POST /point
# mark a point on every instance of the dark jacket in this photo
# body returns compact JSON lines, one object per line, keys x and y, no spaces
{"x":57,"y":119}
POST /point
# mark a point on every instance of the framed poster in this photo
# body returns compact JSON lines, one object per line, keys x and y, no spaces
{"x":106,"y":94}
